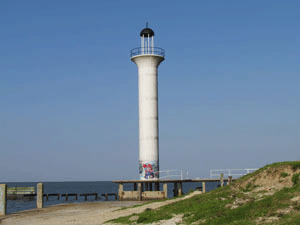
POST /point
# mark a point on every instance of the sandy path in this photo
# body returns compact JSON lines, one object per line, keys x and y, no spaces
{"x":79,"y":214}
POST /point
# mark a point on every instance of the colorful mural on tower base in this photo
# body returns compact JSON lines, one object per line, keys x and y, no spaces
{"x":148,"y":170}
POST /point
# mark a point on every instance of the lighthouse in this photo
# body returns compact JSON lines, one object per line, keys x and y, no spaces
{"x":147,"y":58}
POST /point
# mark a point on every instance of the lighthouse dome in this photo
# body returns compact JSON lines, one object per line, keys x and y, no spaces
{"x":147,"y":32}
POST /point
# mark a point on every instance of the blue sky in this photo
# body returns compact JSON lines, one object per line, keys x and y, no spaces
{"x":229,"y":92}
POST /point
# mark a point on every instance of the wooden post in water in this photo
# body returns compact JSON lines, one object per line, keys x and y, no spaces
{"x":156,"y":186}
{"x":180,"y":189}
{"x":120,"y":192}
{"x":175,"y":189}
{"x":203,"y":187}
{"x":3,"y":199}
{"x":222,"y":179}
{"x":39,"y":196}
{"x":166,"y":190}
{"x":134,"y":187}
{"x":146,"y":186}
{"x":140,"y":191}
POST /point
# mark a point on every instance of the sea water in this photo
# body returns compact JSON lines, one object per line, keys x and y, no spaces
{"x":99,"y":187}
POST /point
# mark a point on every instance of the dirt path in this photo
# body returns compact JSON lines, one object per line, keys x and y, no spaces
{"x":79,"y":214}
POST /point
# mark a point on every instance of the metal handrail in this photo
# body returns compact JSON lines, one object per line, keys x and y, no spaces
{"x":168,"y":175}
{"x":147,"y":51}
{"x":230,"y":172}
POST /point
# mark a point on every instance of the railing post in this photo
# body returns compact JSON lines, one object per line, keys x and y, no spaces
{"x":203,"y":187}
{"x":3,"y":199}
{"x":39,"y":196}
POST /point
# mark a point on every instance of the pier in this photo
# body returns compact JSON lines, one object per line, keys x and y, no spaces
{"x":150,"y":189}
{"x":142,"y":190}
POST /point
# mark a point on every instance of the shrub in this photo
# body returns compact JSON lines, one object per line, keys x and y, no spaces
{"x":295,"y":178}
{"x":249,"y":187}
{"x":295,"y":165}
{"x":283,"y":174}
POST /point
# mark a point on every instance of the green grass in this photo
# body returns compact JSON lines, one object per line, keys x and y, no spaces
{"x":295,"y":178}
{"x":283,"y":174}
{"x":249,"y":187}
{"x":211,"y":207}
{"x":138,"y":205}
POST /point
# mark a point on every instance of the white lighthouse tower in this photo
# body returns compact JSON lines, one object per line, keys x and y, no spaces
{"x":147,"y":58}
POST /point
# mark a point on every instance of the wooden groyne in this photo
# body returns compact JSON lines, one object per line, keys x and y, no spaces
{"x":110,"y":194}
{"x":90,"y":194}
{"x":53,"y":194}
{"x":66,"y":196}
{"x":70,"y":194}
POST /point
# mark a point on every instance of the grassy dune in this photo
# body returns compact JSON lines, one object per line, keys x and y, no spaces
{"x":267,"y":196}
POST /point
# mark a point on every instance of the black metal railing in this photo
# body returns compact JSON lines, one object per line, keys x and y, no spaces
{"x":147,"y":51}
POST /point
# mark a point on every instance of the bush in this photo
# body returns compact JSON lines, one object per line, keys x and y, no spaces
{"x":283,"y":174}
{"x":295,"y":178}
{"x":295,"y":165}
